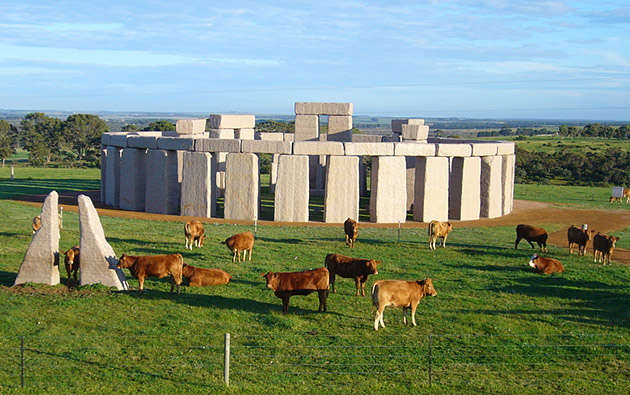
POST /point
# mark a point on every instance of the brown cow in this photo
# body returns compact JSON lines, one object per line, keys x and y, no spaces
{"x":72,"y":261}
{"x":546,"y":265}
{"x":603,"y":246}
{"x":158,"y":266}
{"x":399,"y":293}
{"x":198,"y":277}
{"x":37,"y":222}
{"x":531,"y":233}
{"x":240,"y":242}
{"x":351,"y":228}
{"x":437,"y":230}
{"x":193,"y":231}
{"x":580,"y":238}
{"x":347,"y":267}
{"x":284,"y":285}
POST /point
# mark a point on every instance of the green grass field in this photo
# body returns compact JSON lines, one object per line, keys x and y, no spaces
{"x":494,"y":327}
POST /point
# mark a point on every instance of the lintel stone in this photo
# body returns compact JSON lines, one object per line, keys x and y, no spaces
{"x":411,"y":148}
{"x":149,"y":142}
{"x":397,"y":123}
{"x":415,"y":132}
{"x":317,"y":108}
{"x":244,"y":134}
{"x":484,"y":149}
{"x":318,"y":148}
{"x":505,"y":149}
{"x":369,"y":149}
{"x":232,"y":121}
{"x":271,"y":136}
{"x":190,"y":126}
{"x":183,"y":143}
{"x":217,"y":145}
{"x":266,"y":146}
{"x":119,"y":140}
{"x":461,"y":150}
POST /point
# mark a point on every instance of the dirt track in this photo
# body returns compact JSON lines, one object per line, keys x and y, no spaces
{"x":524,"y":212}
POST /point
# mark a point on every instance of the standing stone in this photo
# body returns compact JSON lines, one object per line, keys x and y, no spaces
{"x":464,"y":188}
{"x":197,"y":199}
{"x":190,"y":126}
{"x":112,"y":172}
{"x":98,"y":259}
{"x":273,"y":172}
{"x":306,"y":128}
{"x":431,"y":189}
{"x":388,"y":199}
{"x":362,"y":177}
{"x":41,"y":261}
{"x":342,"y":189}
{"x":103,"y":173}
{"x":410,"y":163}
{"x":340,"y":128}
{"x":491,"y":188}
{"x":163,"y":182}
{"x":241,"y":186}
{"x":507,"y":182}
{"x":291,"y":196}
{"x":133,"y":166}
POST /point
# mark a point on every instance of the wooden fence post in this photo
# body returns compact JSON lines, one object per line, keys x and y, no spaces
{"x":226,"y":360}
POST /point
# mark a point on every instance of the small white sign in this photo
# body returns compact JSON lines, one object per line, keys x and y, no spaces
{"x":617,"y":191}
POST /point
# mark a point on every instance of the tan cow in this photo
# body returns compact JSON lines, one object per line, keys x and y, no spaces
{"x":158,"y":266}
{"x":580,"y":238}
{"x":72,"y":262}
{"x":287,"y":284}
{"x":438,"y":229}
{"x":193,"y":231}
{"x":603,"y":246}
{"x":398,"y":293}
{"x":546,"y":265}
{"x":240,"y":242}
{"x":37,"y":222}
{"x":198,"y":277}
{"x":345,"y":266}
{"x":351,"y":228}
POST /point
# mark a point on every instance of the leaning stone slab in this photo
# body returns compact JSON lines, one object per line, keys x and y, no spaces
{"x":369,"y":149}
{"x":339,"y":128}
{"x":133,"y":167}
{"x":484,"y":149}
{"x":397,"y":123}
{"x":464,"y":188}
{"x":431,"y":189}
{"x":232,"y":121}
{"x":415,"y":132}
{"x":222,"y":133}
{"x":318,"y":148}
{"x":197,"y":197}
{"x":217,"y":145}
{"x":112,"y":172}
{"x":266,"y":147}
{"x":241,"y":187}
{"x":291,"y":196}
{"x":411,"y":148}
{"x":306,"y":128}
{"x":491,"y":187}
{"x":505,"y":149}
{"x":507,"y":183}
{"x":98,"y":259}
{"x":182,"y":143}
{"x":190,"y":126}
{"x":388,"y":199}
{"x":341,"y":199}
{"x":147,"y":142}
{"x":455,"y":149}
{"x":311,"y":108}
{"x":41,"y":261}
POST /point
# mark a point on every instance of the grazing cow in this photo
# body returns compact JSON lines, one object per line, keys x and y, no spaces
{"x":37,"y":223}
{"x":351,"y":228}
{"x":546,"y":265}
{"x":580,"y":238}
{"x":615,"y":199}
{"x":72,"y":261}
{"x":437,"y":230}
{"x":240,"y":242}
{"x":284,"y":285}
{"x":197,"y":277}
{"x":531,"y":233}
{"x":158,"y":266}
{"x":193,"y":231}
{"x":603,"y":246}
{"x":347,"y":267}
{"x":398,"y":293}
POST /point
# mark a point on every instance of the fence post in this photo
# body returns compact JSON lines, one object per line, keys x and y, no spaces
{"x":399,"y":231}
{"x":430,"y":358}
{"x":226,"y":360}
{"x":22,"y":360}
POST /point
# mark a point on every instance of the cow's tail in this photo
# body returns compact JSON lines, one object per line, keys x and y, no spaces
{"x":326,"y":261}
{"x":187,"y":228}
{"x":430,"y":229}
{"x":374,"y":297}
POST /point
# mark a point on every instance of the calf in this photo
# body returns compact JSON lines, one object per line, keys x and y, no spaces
{"x":580,"y":238}
{"x":603,"y":246}
{"x":531,"y":233}
{"x":240,"y":242}
{"x":437,"y":230}
{"x":193,"y":231}
{"x":72,"y":261}
{"x":546,"y":265}
{"x":285,"y":285}
{"x":347,"y":267}
{"x":158,"y":266}
{"x":351,"y":228}
{"x":37,"y":222}
{"x":197,"y":277}
{"x":398,"y":293}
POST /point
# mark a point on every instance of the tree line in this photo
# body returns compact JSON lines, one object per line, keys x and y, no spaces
{"x":592,"y":130}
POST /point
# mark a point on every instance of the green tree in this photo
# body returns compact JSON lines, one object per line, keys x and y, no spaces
{"x":41,"y":136}
{"x":130,"y":128}
{"x":82,"y":133}
{"x":161,"y":125}
{"x":270,"y":126}
{"x":6,"y":140}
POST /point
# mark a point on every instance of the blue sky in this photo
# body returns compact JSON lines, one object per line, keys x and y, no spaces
{"x":500,"y":59}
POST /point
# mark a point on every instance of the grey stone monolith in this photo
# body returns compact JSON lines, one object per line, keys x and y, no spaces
{"x":112,"y":172}
{"x":431,"y":189}
{"x":388,"y":198}
{"x":464,"y":188}
{"x":340,"y":128}
{"x":306,"y":128}
{"x":241,"y":186}
{"x":98,"y":259}
{"x":163,"y":182}
{"x":41,"y":261}
{"x":507,"y":182}
{"x":410,"y":163}
{"x":197,"y":197}
{"x":342,"y":189}
{"x":491,"y":188}
{"x":291,"y":196}
{"x":133,"y":185}
{"x":103,"y":174}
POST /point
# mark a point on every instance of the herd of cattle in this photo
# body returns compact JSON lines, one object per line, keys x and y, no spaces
{"x":385,"y":293}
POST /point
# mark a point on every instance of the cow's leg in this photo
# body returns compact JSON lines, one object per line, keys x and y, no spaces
{"x":444,"y":241}
{"x":250,"y":253}
{"x":75,"y":275}
{"x":376,"y":318}
{"x":141,"y":282}
{"x":532,"y":244}
{"x":413,"y":314}
{"x":323,"y":294}
{"x":381,"y":317}
{"x":285,"y":304}
{"x":518,"y":239}
{"x":363,"y":281}
{"x":234,"y":257}
{"x":186,"y":244}
{"x":405,"y":315}
{"x":331,"y":278}
{"x":357,"y":282}
{"x":347,"y":238}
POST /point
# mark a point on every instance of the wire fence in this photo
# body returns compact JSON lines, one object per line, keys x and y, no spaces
{"x":326,"y":360}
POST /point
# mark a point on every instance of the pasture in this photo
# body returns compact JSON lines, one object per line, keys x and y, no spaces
{"x":495,"y":326}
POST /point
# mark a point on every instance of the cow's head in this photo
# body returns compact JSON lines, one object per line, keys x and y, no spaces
{"x":427,"y":287}
{"x":371,"y":266}
{"x":612,"y":241}
{"x":272,"y":280}
{"x":531,"y":262}
{"x":449,"y":227}
{"x":69,"y":256}
{"x":201,"y":238}
{"x":124,"y":262}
